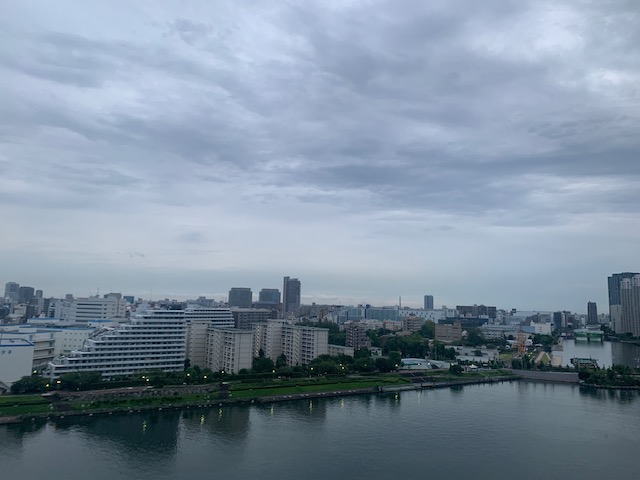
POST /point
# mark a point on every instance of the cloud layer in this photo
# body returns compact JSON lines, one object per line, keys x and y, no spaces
{"x":483,"y":152}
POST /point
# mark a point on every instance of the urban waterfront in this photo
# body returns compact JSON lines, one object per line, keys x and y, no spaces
{"x":528,"y":430}
{"x":606,"y":353}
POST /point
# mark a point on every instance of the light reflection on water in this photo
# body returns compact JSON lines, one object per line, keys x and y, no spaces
{"x":476,"y":431}
{"x":607,"y":353}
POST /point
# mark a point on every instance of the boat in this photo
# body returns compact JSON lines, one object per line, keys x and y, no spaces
{"x":584,"y":362}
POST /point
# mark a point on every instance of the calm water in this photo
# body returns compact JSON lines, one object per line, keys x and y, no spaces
{"x":607,"y":353}
{"x":519,"y":430}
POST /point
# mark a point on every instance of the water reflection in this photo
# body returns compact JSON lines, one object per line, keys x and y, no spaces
{"x":607,"y":353}
{"x":230,"y":422}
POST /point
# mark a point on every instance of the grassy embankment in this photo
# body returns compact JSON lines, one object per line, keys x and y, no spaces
{"x":16,"y":405}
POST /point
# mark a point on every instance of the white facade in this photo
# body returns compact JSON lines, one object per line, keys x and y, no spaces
{"x":84,"y":309}
{"x":433,"y":315}
{"x":155,"y":339}
{"x":229,"y":350}
{"x":16,"y":358}
{"x":298,"y":343}
{"x":70,"y":339}
{"x":198,"y":320}
{"x":43,"y":341}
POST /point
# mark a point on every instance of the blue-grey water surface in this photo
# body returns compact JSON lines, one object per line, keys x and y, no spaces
{"x":511,"y":430}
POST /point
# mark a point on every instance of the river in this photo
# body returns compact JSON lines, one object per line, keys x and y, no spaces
{"x":518,"y":429}
{"x":607,"y":353}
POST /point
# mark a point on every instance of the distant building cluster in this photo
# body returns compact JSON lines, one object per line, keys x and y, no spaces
{"x":117,"y":335}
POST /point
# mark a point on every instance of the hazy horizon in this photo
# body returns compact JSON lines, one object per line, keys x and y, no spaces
{"x":481,"y":152}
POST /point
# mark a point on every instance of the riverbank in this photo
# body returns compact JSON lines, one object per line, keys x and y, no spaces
{"x":16,"y":409}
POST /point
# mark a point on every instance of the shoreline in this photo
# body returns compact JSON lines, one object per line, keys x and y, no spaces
{"x":256,"y":400}
{"x":267,"y":399}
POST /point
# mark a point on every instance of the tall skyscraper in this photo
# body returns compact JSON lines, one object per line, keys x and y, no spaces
{"x":11,"y":291}
{"x":25,"y":294}
{"x":290,"y":295}
{"x":269,"y":295}
{"x":615,"y":299}
{"x":240,"y":297}
{"x":592,"y":313}
{"x":428,"y":302}
{"x":630,"y":303}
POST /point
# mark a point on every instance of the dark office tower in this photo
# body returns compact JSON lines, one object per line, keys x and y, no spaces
{"x":39,"y":293}
{"x":240,"y":297}
{"x":11,"y":291}
{"x":269,"y":295}
{"x":290,"y":295}
{"x":428,"y":302}
{"x":615,"y":299}
{"x":592,"y":313}
{"x":25,"y":294}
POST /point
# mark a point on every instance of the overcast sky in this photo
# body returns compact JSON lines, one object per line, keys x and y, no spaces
{"x":483,"y":152}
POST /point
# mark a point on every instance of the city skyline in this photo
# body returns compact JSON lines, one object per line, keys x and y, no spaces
{"x":401,"y":301}
{"x":482,"y":153}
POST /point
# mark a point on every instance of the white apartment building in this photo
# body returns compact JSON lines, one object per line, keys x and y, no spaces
{"x":43,"y":341}
{"x":229,"y":349}
{"x":198,"y":320}
{"x":299,"y":344}
{"x":16,"y":359}
{"x":92,"y":308}
{"x":155,"y":339}
{"x":69,"y":339}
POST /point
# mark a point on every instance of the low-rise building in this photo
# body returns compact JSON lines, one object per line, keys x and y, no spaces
{"x":448,"y":332}
{"x":16,"y":360}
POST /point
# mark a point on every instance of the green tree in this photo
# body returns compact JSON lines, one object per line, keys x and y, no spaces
{"x":428,"y":329}
{"x":281,"y":361}
{"x":362,"y":353}
{"x":395,"y":358}
{"x":29,"y":384}
{"x":364,"y":364}
{"x":383,"y":365}
{"x":456,"y":369}
{"x":262,"y":365}
{"x":474,"y":337}
{"x":338,"y":338}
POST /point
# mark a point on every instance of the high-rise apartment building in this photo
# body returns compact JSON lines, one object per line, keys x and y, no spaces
{"x":298,"y":343}
{"x":290,"y":295}
{"x":241,"y":297}
{"x":229,"y":349}
{"x":357,"y":336}
{"x":630,"y":303}
{"x":615,"y":299}
{"x":428,"y":302}
{"x":198,"y":320}
{"x":246,"y":318}
{"x":154,"y":339}
{"x":592,"y":313}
